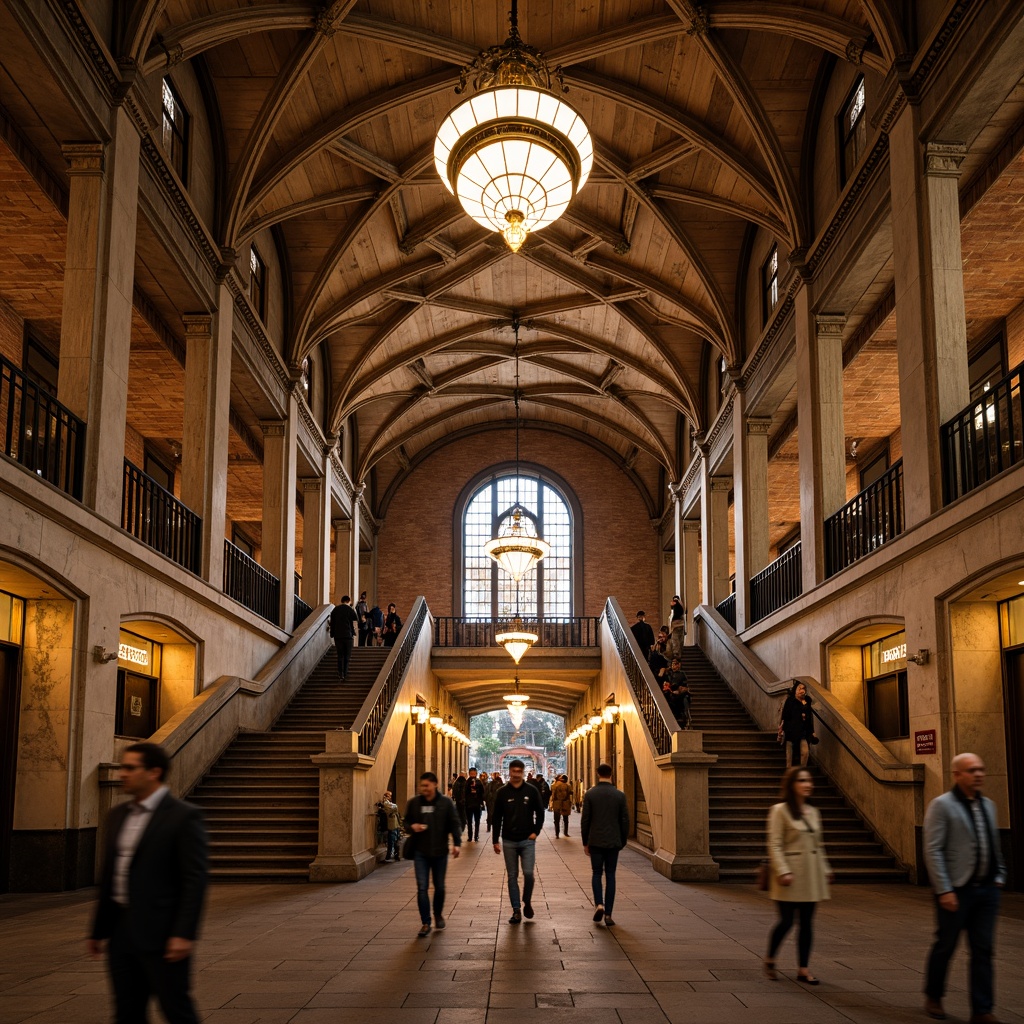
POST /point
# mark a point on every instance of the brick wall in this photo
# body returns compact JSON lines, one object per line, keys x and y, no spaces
{"x":620,"y":548}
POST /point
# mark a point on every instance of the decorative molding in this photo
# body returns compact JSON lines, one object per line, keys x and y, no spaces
{"x":197,"y":325}
{"x":340,"y":474}
{"x":699,"y":20}
{"x":830,"y":326}
{"x":691,"y":525}
{"x":84,"y":158}
{"x":938,"y":46}
{"x":943,"y":159}
{"x":342,"y":525}
{"x":722,"y":420}
{"x":855,"y":51}
{"x":758,"y":426}
{"x":239,"y":426}
{"x":273,"y":428}
{"x":774,"y":328}
{"x":720,"y":483}
{"x":243,"y":307}
{"x":312,"y":484}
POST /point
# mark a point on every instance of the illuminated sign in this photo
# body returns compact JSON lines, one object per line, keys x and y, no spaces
{"x":897,"y":653}
{"x":136,"y":655}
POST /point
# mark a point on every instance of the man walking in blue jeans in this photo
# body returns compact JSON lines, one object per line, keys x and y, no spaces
{"x":432,"y":818}
{"x":604,"y":829}
{"x":518,"y":819}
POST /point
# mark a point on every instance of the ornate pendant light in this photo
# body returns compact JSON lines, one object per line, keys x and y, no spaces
{"x":516,"y":704}
{"x":514,"y":155}
{"x":516,"y":638}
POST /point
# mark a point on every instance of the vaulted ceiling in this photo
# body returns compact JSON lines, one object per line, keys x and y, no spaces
{"x":328,"y":117}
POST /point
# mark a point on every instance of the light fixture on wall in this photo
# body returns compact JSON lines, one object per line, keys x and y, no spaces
{"x":516,"y":704}
{"x":517,"y":548}
{"x":921,"y":658}
{"x":596,"y":720}
{"x":514,"y":155}
{"x":419,"y":713}
{"x":436,"y":720}
{"x":611,"y":714}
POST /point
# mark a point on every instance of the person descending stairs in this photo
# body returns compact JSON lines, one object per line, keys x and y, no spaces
{"x":262,"y":797}
{"x":744,"y":784}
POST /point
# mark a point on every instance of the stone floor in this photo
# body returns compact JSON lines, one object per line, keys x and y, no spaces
{"x":323,"y":954}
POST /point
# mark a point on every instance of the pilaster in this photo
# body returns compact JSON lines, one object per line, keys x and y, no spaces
{"x":714,"y":515}
{"x":279,"y":478}
{"x":342,"y":560}
{"x":750,"y":501}
{"x":316,"y":539}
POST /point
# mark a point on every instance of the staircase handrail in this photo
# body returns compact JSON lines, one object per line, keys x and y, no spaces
{"x":887,"y":792}
{"x":370,"y":723}
{"x":660,"y":723}
{"x":265,"y":697}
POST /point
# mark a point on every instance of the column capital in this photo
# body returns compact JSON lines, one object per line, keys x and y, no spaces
{"x":84,"y":157}
{"x":676,"y":491}
{"x":830,"y":325}
{"x":273,"y":428}
{"x":198,"y":325}
{"x":691,"y":526}
{"x":358,"y":491}
{"x":759,"y":425}
{"x":312,"y":484}
{"x":721,"y":483}
{"x":344,"y":525}
{"x":943,"y":159}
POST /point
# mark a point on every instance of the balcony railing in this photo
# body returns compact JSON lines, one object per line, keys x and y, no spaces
{"x":301,"y":611}
{"x":250,"y":584}
{"x":727,"y":609}
{"x":873,"y":518}
{"x":159,"y":520}
{"x":984,"y":439}
{"x":776,"y":584}
{"x":566,"y":631}
{"x":39,"y":433}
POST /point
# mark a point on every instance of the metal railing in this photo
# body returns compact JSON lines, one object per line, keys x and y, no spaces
{"x":250,"y":584}
{"x":641,"y":682}
{"x":159,"y":520}
{"x":776,"y":584}
{"x":376,"y":716}
{"x":301,"y":611}
{"x":873,"y":518}
{"x":467,"y":631}
{"x":39,"y":433}
{"x":727,"y":609}
{"x":984,"y":438}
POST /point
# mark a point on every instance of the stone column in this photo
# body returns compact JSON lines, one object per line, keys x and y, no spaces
{"x":342,"y":559}
{"x":931,"y":323}
{"x":96,"y":314}
{"x":279,"y":477}
{"x":819,"y":371}
{"x":354,"y":556}
{"x":316,"y":539}
{"x":690,"y":594}
{"x":677,"y":518}
{"x":750,"y":502}
{"x":204,"y":449}
{"x":714,"y":516}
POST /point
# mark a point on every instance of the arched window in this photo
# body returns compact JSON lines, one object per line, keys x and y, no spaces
{"x":547,"y":591}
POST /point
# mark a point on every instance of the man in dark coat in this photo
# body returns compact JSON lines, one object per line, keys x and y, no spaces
{"x":473,"y":799}
{"x":343,"y":628}
{"x":604,"y":829}
{"x":431,"y":819}
{"x":643,"y":634}
{"x":151,"y":891}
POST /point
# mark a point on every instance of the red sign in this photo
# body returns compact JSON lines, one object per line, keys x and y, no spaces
{"x":924,"y":742}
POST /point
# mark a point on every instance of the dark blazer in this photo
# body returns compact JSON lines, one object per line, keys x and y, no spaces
{"x":605,"y":821}
{"x":343,"y":621}
{"x":166,"y":880}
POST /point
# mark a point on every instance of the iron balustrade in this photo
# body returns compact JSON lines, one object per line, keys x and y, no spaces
{"x":156,"y":517}
{"x":563,"y":631}
{"x":301,"y":611}
{"x":727,"y":609}
{"x":983,"y":439}
{"x":250,"y":584}
{"x":641,"y":682}
{"x":873,"y":518}
{"x":776,"y":584}
{"x":376,"y":717}
{"x":39,"y":433}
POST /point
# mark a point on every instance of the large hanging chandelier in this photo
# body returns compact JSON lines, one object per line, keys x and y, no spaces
{"x":515,"y":637}
{"x":516,"y":704}
{"x":514,"y":155}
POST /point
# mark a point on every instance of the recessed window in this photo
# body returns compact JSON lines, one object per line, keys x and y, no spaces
{"x":770,"y":283}
{"x":39,"y":363}
{"x":874,"y":468}
{"x":175,"y":130}
{"x":306,"y":379}
{"x":242,"y":542}
{"x":159,"y":471}
{"x":853,"y":131}
{"x":885,"y":683}
{"x":258,"y":282}
{"x":987,"y":365}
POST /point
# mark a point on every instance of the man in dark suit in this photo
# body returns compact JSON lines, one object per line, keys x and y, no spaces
{"x":644,"y":635}
{"x":343,"y":628}
{"x":151,"y":892}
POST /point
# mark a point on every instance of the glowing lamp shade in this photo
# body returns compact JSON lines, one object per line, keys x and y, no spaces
{"x":514,"y":157}
{"x":516,"y":639}
{"x":517,"y":549}
{"x":516,"y":704}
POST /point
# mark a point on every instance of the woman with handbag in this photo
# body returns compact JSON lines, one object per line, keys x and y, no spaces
{"x":796,"y":725}
{"x":799,"y":870}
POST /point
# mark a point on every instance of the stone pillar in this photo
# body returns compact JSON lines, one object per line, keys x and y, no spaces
{"x":279,"y":477}
{"x":204,"y":449}
{"x":96,"y":314}
{"x":677,"y":518}
{"x":316,"y":539}
{"x":714,"y":516}
{"x":690,"y":594}
{"x":931,"y":323}
{"x":819,"y":374}
{"x":354,"y":556}
{"x":750,"y":502}
{"x":342,"y":559}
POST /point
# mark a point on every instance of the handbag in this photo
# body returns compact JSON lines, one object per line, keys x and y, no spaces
{"x":761,"y":877}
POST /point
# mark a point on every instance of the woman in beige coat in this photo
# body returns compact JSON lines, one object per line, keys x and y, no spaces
{"x":561,"y":803}
{"x":798,"y":868}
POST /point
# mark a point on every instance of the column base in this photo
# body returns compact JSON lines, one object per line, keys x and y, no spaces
{"x":681,"y":868}
{"x":342,"y":868}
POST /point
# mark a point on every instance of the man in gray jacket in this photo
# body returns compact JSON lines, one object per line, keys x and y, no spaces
{"x":604,"y":829}
{"x":965,"y":865}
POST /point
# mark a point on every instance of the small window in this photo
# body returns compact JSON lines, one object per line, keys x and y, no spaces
{"x":242,"y":542}
{"x":874,"y":468}
{"x":258,"y":282}
{"x":175,"y":131}
{"x":853,"y":131}
{"x":40,"y":364}
{"x":987,"y":365}
{"x":770,"y":283}
{"x":158,"y":470}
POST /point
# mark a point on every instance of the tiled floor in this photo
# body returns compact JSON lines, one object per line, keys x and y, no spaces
{"x":323,"y":954}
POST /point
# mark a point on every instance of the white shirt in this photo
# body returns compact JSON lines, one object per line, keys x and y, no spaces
{"x":135,"y":823}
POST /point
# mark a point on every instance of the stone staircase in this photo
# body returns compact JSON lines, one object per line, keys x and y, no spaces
{"x":261,"y":799}
{"x":744,"y":784}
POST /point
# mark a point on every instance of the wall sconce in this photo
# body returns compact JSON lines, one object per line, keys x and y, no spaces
{"x":596,"y":721}
{"x":921,"y":658}
{"x":611,"y":714}
{"x":436,"y":721}
{"x":584,"y":728}
{"x":419,"y":713}
{"x":102,"y":655}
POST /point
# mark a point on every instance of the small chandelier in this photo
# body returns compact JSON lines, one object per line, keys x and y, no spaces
{"x":516,"y":704}
{"x":514,"y":155}
{"x":515,"y":637}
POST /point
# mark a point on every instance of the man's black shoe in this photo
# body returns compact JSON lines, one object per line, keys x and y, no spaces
{"x":439,"y":922}
{"x":515,"y":918}
{"x":527,"y":910}
{"x":425,"y":930}
{"x":609,"y":923}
